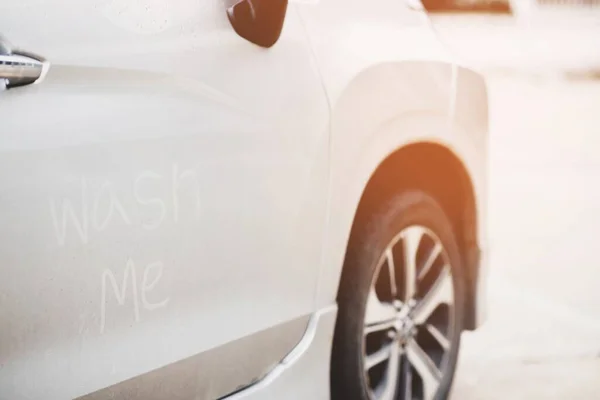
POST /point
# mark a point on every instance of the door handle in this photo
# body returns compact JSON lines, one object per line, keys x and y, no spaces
{"x":19,"y":70}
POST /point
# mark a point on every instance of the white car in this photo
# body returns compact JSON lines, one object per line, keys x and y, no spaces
{"x":240,"y":200}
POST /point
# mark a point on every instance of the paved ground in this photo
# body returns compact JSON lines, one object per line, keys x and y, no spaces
{"x":542,"y":340}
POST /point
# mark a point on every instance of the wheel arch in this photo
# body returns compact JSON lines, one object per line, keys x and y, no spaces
{"x":436,"y":170}
{"x":374,"y":121}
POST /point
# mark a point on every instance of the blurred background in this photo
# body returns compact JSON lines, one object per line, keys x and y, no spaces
{"x":542,"y":62}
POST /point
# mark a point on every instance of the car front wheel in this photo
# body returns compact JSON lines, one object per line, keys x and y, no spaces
{"x":400,"y":305}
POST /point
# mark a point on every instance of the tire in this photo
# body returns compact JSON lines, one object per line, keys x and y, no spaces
{"x":393,"y":228}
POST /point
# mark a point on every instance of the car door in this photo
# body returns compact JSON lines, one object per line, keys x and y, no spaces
{"x":163,"y":198}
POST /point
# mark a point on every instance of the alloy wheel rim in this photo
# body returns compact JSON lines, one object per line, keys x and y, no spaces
{"x":409,"y":318}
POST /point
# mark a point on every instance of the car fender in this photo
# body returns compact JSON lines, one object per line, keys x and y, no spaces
{"x":383,"y":109}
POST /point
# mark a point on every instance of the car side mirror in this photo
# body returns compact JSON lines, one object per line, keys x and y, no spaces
{"x":258,"y":21}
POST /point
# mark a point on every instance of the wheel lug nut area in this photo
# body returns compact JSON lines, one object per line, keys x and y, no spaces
{"x":404,"y":330}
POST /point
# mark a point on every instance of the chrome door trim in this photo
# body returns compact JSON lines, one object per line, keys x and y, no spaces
{"x":215,"y":373}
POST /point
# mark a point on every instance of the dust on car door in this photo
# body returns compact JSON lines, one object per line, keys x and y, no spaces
{"x":163,"y":194}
